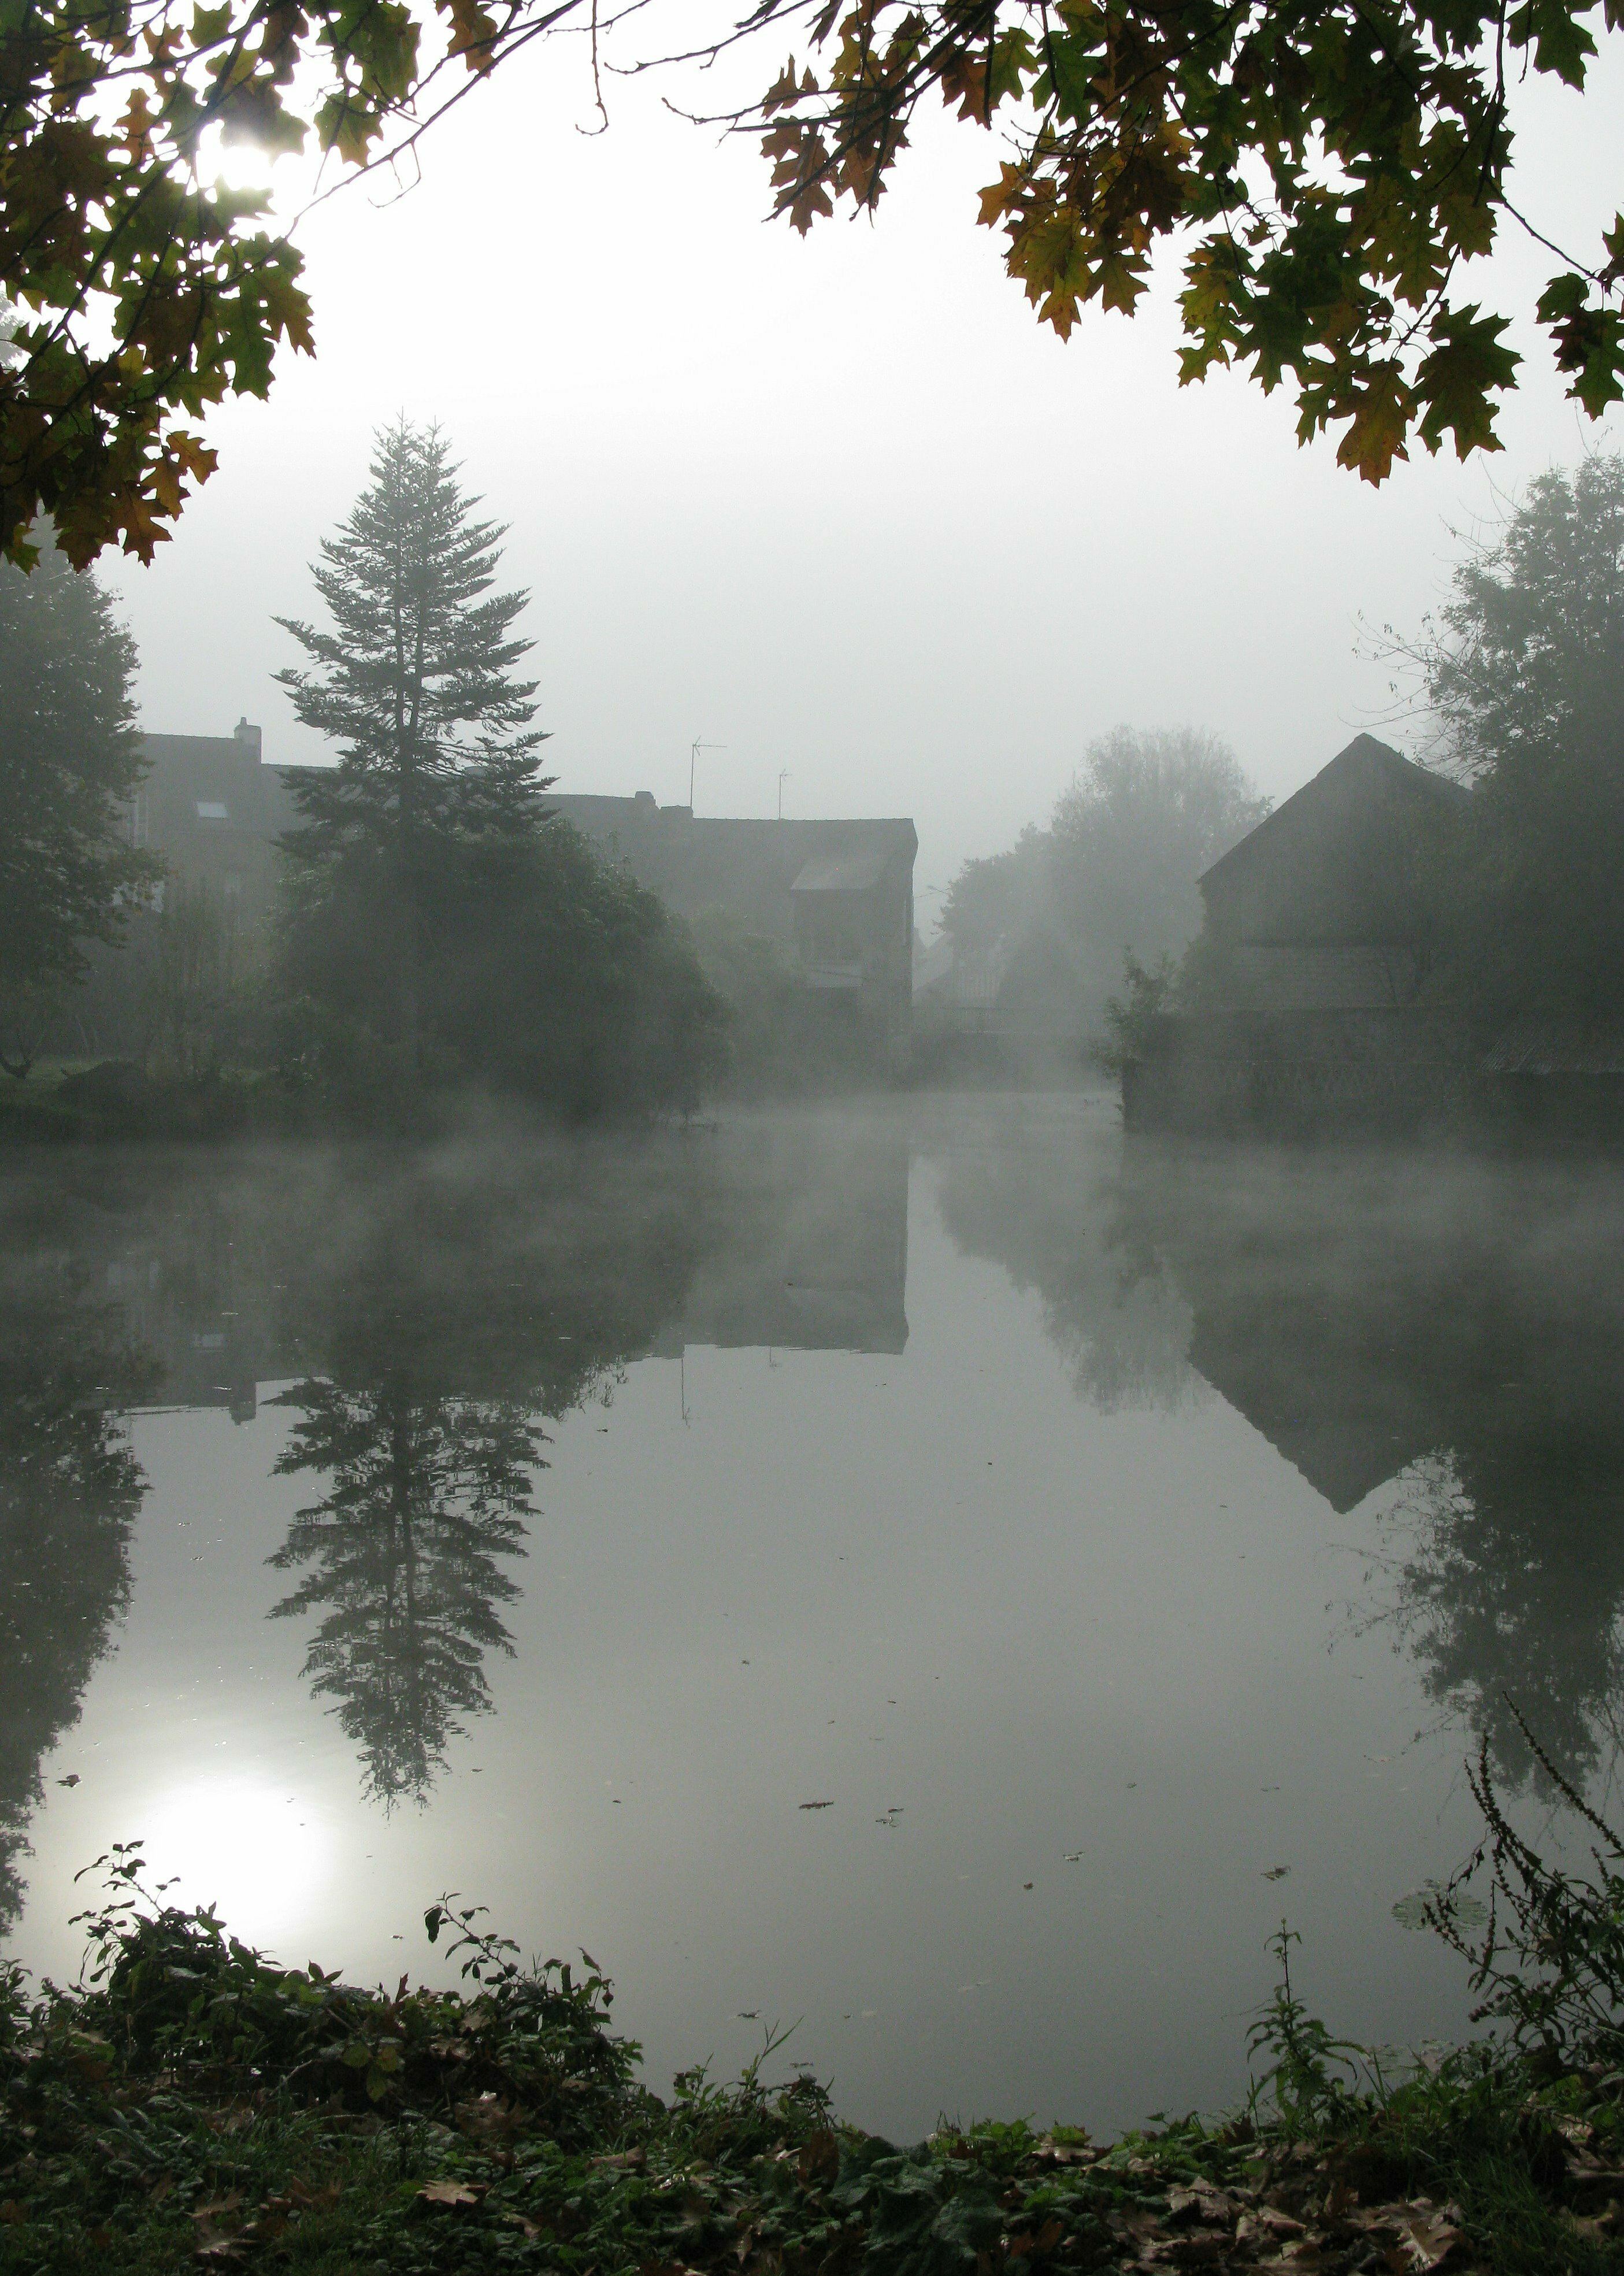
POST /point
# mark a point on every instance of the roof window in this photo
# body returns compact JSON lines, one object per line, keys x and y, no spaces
{"x":209,"y":809}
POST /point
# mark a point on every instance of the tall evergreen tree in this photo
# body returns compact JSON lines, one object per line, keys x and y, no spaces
{"x":415,"y":683}
{"x":70,"y":758}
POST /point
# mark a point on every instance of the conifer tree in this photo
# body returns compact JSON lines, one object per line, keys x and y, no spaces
{"x":415,"y":683}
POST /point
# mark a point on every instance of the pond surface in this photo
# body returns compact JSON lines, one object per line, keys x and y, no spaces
{"x":931,"y":1573}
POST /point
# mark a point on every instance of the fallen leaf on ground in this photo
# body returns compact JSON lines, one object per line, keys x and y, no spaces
{"x":1426,"y":2239}
{"x":452,"y":2193}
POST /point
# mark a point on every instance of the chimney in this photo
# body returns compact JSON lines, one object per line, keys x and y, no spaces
{"x":250,"y":738}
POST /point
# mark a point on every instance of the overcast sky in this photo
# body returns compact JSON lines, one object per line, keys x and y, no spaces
{"x":840,"y":506}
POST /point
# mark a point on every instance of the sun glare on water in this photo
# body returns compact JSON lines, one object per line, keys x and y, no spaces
{"x":258,"y":1856}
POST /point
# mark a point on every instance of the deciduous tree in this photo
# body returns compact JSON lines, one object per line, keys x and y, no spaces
{"x":70,"y":758}
{"x":1329,"y":172}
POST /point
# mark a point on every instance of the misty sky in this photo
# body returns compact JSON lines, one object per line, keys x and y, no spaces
{"x":839,"y":505}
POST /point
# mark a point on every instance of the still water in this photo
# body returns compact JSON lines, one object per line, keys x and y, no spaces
{"x":937,"y":1575}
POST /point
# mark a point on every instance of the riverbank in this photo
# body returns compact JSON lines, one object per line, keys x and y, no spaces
{"x":191,"y":2104}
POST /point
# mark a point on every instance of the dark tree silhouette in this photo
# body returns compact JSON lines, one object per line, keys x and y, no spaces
{"x":70,"y":1491}
{"x":426,"y":1496}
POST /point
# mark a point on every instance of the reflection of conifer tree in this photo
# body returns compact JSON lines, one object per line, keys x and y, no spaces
{"x":69,"y":1490}
{"x":426,"y":1494}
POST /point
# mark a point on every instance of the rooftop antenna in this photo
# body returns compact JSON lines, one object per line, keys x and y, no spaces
{"x":693,"y":760}
{"x":783,"y":777}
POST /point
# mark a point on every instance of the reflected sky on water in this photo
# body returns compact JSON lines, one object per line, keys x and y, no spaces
{"x":1091,"y":1532}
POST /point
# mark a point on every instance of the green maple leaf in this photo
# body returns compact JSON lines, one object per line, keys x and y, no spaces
{"x":1468,"y":363}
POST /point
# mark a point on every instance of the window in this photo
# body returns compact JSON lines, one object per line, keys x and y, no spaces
{"x":209,"y":809}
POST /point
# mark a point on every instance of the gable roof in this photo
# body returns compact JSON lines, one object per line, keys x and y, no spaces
{"x":1359,"y":768}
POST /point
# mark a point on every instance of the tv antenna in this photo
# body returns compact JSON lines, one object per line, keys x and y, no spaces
{"x":784,"y":776}
{"x":693,"y":760}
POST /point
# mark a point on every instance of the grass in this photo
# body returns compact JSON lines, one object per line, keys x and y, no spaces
{"x":190,"y":2105}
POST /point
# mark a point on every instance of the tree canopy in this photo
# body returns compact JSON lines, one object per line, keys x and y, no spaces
{"x":1115,"y":869}
{"x":69,"y":758}
{"x":1327,"y":170}
{"x":1524,"y":671}
{"x":441,"y":924}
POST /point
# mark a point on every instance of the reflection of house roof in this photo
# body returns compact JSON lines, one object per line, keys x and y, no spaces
{"x":1535,"y":1045}
{"x":1347,"y":1426}
{"x":842,"y":873}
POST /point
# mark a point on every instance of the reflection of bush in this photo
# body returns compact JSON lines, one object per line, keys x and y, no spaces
{"x":69,"y":1490}
{"x":1024,"y":1198}
{"x":1508,"y":1570}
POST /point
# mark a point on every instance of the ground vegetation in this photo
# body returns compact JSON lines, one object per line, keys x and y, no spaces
{"x":1328,"y":174}
{"x":191,"y":2101}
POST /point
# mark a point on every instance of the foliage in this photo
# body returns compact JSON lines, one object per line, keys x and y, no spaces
{"x":1551,"y":1958}
{"x":439,"y":925}
{"x":191,"y":2099}
{"x":413,"y":682}
{"x":1149,"y":993}
{"x":1116,"y":868}
{"x":1146,"y":815}
{"x":545,"y":974}
{"x":1526,"y":673}
{"x":70,"y":757}
{"x":1329,"y":172}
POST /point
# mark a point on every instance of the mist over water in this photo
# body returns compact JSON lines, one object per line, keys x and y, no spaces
{"x":930,"y":1571}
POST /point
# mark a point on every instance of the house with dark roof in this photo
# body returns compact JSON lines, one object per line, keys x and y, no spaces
{"x":1319,"y":1001}
{"x":213,"y":807}
{"x":838,"y":895}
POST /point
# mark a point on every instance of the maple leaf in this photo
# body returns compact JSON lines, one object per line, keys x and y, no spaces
{"x":1468,"y":363}
{"x":1590,"y":342}
{"x":1382,"y":410}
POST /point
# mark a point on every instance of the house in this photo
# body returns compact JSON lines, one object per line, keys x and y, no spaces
{"x":212,"y":807}
{"x":838,"y":895}
{"x":1319,"y":1003}
{"x":1333,"y":902}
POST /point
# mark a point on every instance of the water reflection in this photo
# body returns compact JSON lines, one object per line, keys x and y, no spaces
{"x":434,"y":1309}
{"x":70,"y":1491}
{"x":425,"y":1496}
{"x":1055,"y":1213}
{"x":1443,"y":1335}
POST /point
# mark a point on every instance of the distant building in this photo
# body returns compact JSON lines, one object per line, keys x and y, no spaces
{"x":1332,"y":903}
{"x":213,"y":809}
{"x":1321,"y":1005}
{"x":838,"y":895}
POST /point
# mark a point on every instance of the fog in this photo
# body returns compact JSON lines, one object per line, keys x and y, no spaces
{"x":932,"y":1569}
{"x":840,"y":506}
